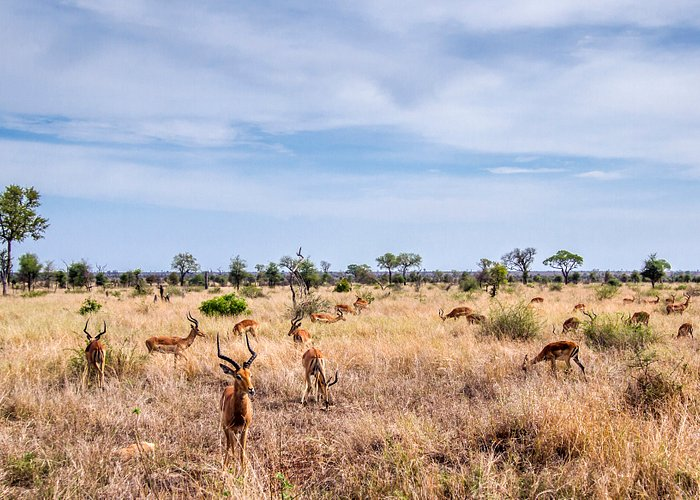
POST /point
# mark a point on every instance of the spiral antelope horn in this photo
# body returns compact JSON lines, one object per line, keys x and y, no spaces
{"x":252,"y":352}
{"x":225,"y":358}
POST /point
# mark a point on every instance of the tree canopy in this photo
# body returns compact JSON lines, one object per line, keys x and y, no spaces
{"x":565,"y":261}
{"x":407,"y":261}
{"x":654,"y":269}
{"x":184,"y":263}
{"x":237,"y":271}
{"x":388,"y":261}
{"x":520,"y":260}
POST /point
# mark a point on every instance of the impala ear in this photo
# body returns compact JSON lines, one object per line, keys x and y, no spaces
{"x":227,"y":370}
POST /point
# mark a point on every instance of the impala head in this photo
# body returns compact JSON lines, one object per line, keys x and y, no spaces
{"x":89,"y":337}
{"x":526,"y":363}
{"x":296,"y":322}
{"x":340,"y":315}
{"x":195,"y":326}
{"x":241,"y":374}
{"x":441,"y":313}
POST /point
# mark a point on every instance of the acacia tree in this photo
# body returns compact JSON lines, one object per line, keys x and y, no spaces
{"x":520,"y":260}
{"x":361,"y":273}
{"x":492,"y":274}
{"x":407,"y":261}
{"x":184,"y":263}
{"x":29,"y":269}
{"x":18,"y":219}
{"x":654,"y":269}
{"x":237,"y":271}
{"x":565,"y":261}
{"x":388,"y":261}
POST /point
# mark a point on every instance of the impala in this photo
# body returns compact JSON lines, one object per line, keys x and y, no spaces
{"x":563,"y":350}
{"x":299,"y":334}
{"x":536,"y":300}
{"x":95,"y":356}
{"x":327,"y":318}
{"x":360,"y":304}
{"x":345,"y":309}
{"x":236,"y":407}
{"x":679,"y":308}
{"x":685,"y":330}
{"x":455,"y":313}
{"x":580,"y":307}
{"x":175,"y":345}
{"x":475,"y":318}
{"x":639,"y":317}
{"x":653,"y":301}
{"x":246,"y":326}
{"x":627,"y":300}
{"x":570,"y":324}
{"x":315,"y":368}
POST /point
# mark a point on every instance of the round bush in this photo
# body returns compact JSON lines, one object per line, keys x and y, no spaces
{"x":516,"y":322}
{"x":226,"y":305}
{"x":342,"y":286}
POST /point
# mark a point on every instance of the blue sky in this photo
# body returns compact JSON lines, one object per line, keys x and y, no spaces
{"x":456,"y":130}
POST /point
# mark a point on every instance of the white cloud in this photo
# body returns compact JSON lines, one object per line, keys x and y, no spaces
{"x":601,"y":175}
{"x":520,"y":170}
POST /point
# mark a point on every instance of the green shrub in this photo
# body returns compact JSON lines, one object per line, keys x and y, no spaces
{"x":34,"y":293}
{"x":342,"y":286}
{"x":613,"y":332}
{"x":175,"y":291}
{"x":89,"y":306}
{"x":226,"y":305}
{"x":556,"y":287}
{"x":517,"y":322}
{"x":650,"y":390}
{"x":25,"y":471}
{"x":468,"y":283}
{"x":606,"y":291}
{"x":252,"y":292}
{"x":614,"y":282}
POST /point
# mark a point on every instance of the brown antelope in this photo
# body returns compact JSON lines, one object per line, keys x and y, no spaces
{"x":474,"y":318}
{"x":455,"y":313}
{"x":653,"y":301}
{"x":95,"y":356}
{"x":571,"y":324}
{"x":315,"y":368}
{"x":580,"y":307}
{"x":327,"y":318}
{"x":671,"y":299}
{"x":536,"y":300}
{"x":298,"y":334}
{"x":345,"y":309}
{"x":236,"y":407}
{"x":175,"y":345}
{"x":685,"y":330}
{"x":679,"y":308}
{"x":360,"y":304}
{"x":246,"y":326}
{"x":563,"y":350}
{"x":627,"y":300}
{"x":640,"y":317}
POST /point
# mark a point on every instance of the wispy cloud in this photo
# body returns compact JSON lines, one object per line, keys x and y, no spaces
{"x":521,"y":170}
{"x":601,"y":175}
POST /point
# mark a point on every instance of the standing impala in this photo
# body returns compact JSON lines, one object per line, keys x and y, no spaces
{"x":236,"y":407}
{"x":175,"y":345}
{"x":679,"y":308}
{"x":95,"y":356}
{"x":327,"y":318}
{"x":360,"y":304}
{"x":247,"y":326}
{"x":315,"y":368}
{"x":455,"y":313}
{"x":563,"y":350}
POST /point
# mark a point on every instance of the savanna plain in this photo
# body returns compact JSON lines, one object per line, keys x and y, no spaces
{"x":424,"y":408}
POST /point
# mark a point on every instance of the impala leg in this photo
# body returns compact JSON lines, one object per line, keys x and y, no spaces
{"x":244,"y":440}
{"x":307,"y":390}
{"x":580,"y":365}
{"x":554,"y":367}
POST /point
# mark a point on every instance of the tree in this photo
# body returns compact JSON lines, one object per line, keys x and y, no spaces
{"x":184,"y":263}
{"x":309,"y":274}
{"x":325,"y":277}
{"x":388,"y":261}
{"x":18,"y":219}
{"x":565,"y":261}
{"x":79,"y":274}
{"x":272,"y":274}
{"x":407,"y":261}
{"x":361,"y":273}
{"x":237,"y":271}
{"x":654,"y":269}
{"x":493,"y":275}
{"x":29,"y":269}
{"x":520,"y":260}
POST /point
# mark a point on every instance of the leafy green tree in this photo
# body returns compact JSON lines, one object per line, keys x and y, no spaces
{"x":100,"y":279}
{"x":184,"y":263}
{"x":60,"y":277}
{"x":407,"y":261}
{"x":494,"y":274}
{"x":79,"y":274}
{"x":309,"y":274}
{"x":273,"y":275}
{"x":520,"y":260}
{"x":18,"y":219}
{"x":237,"y":272}
{"x":361,"y":273}
{"x":565,"y":261}
{"x":654,"y":269}
{"x":388,"y":261}
{"x":29,"y":269}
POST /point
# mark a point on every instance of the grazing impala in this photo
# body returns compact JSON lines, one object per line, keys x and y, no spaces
{"x":246,"y":326}
{"x":236,"y":407}
{"x":474,"y":318}
{"x":95,"y":356}
{"x":563,"y":350}
{"x":536,"y":300}
{"x":360,"y":304}
{"x":627,"y":300}
{"x":685,"y":330}
{"x":327,"y":318}
{"x":315,"y":368}
{"x":455,"y":313}
{"x":175,"y":345}
{"x":679,"y":308}
{"x":640,"y":318}
{"x":298,"y":334}
{"x":580,"y":307}
{"x":345,"y":309}
{"x":571,"y":324}
{"x":653,"y":301}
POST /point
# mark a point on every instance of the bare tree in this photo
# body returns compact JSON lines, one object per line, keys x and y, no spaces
{"x":520,"y":260}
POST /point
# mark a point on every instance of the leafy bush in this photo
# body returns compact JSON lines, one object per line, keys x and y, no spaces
{"x":342,"y":286}
{"x":468,"y":283}
{"x":612,"y":332}
{"x":89,"y":306}
{"x":614,"y":282}
{"x":214,"y":289}
{"x":517,"y":322}
{"x":312,"y":304}
{"x":175,"y":291}
{"x":556,"y":287}
{"x":252,"y":292}
{"x":226,"y":305}
{"x":34,"y":293}
{"x":606,"y":291}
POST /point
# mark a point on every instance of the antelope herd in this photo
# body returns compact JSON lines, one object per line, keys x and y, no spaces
{"x":236,"y":400}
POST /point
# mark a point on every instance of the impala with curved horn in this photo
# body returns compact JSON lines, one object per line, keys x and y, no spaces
{"x":236,"y":406}
{"x":95,"y":355}
{"x":679,"y":308}
{"x":299,"y":334}
{"x":563,"y":350}
{"x":315,"y":368}
{"x":455,"y":313}
{"x":360,"y":304}
{"x":175,"y":345}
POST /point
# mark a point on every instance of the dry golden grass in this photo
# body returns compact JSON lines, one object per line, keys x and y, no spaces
{"x":424,"y":408}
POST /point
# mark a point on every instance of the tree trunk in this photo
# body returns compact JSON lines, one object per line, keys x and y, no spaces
{"x":7,"y":265}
